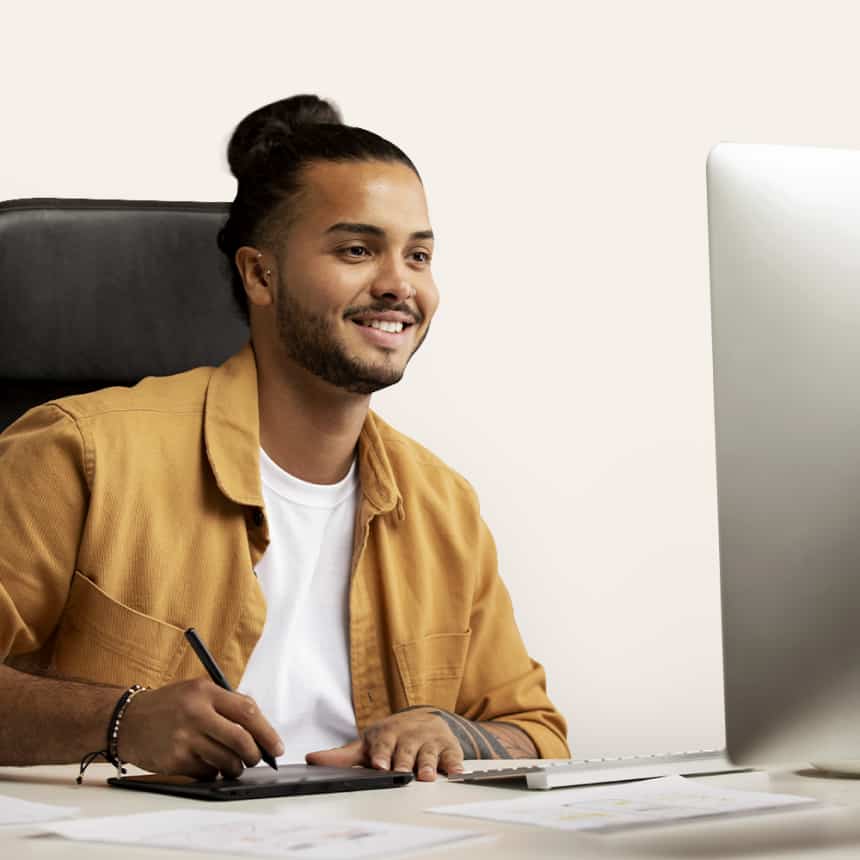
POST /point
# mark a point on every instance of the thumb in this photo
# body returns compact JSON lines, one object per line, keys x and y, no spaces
{"x":345,"y":756}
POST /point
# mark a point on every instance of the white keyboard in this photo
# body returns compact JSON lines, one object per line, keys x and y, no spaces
{"x":591,"y":771}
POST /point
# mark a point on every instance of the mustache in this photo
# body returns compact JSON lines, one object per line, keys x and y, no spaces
{"x":382,"y":307}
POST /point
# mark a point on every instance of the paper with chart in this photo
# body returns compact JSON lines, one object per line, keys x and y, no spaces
{"x":15,"y":811}
{"x":268,"y":835}
{"x":623,"y":805}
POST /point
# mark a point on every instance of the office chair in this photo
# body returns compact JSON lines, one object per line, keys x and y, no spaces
{"x":104,"y":292}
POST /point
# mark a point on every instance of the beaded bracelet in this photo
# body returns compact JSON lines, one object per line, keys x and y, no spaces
{"x":110,"y":753}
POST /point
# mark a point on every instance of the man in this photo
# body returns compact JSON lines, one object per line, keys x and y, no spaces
{"x":338,"y":571}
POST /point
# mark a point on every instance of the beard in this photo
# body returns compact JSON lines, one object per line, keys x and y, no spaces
{"x":311,"y":342}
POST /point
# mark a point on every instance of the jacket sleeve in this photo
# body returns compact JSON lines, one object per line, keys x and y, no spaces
{"x":501,"y":681}
{"x":43,"y":503}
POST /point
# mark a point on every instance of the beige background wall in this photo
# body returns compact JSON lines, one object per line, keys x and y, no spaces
{"x":568,"y":374}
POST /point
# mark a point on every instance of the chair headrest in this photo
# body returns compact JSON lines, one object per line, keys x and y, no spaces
{"x":113,"y":290}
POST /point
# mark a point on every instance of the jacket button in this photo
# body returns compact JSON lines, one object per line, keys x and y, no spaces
{"x":257,"y":517}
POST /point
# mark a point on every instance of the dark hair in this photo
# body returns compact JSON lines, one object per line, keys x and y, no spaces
{"x":267,"y":152}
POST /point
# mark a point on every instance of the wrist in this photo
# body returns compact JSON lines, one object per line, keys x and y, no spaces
{"x":94,"y":723}
{"x":110,"y":748}
{"x":119,"y":721}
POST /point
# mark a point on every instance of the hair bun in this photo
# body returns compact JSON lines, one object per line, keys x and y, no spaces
{"x":271,"y":126}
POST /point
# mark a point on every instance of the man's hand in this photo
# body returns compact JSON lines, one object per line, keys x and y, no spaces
{"x":196,"y":729}
{"x":410,"y":740}
{"x":427,"y":740}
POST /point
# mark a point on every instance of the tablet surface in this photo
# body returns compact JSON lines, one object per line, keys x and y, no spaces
{"x":262,"y":781}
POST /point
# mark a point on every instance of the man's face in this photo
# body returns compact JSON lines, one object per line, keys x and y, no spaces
{"x":354,"y":294}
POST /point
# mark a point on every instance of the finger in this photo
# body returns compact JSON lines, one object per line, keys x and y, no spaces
{"x":224,"y":760}
{"x":243,"y":710}
{"x":199,"y":769}
{"x":346,"y":756}
{"x":426,"y":762}
{"x":233,"y":737}
{"x":381,"y":746}
{"x":451,"y":759}
{"x":404,"y":756}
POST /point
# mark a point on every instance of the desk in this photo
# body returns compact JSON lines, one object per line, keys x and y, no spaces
{"x":819,"y":833}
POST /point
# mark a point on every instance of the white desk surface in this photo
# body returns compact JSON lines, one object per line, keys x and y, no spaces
{"x":832,"y":832}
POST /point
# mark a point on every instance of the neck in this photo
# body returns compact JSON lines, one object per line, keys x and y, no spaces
{"x":308,"y":427}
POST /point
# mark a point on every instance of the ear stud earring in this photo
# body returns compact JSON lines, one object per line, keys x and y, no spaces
{"x":268,"y":272}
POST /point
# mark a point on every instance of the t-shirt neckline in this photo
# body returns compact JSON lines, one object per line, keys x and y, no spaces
{"x":301,"y":492}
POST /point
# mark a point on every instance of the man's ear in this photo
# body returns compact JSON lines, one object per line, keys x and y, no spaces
{"x":256,"y":274}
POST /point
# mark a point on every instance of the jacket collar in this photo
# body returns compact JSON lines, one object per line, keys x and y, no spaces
{"x":232,"y":438}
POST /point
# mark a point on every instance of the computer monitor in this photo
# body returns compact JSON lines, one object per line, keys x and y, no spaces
{"x":784,"y":231}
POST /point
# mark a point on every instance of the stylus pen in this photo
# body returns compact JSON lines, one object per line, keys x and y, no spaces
{"x":217,"y":676}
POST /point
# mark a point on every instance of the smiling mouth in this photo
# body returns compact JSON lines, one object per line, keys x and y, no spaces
{"x":384,"y":325}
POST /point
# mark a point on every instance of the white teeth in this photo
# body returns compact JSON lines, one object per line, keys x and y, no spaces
{"x":386,"y":325}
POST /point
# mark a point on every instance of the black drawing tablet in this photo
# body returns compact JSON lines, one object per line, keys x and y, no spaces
{"x":262,"y":781}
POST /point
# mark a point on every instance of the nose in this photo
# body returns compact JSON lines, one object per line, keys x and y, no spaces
{"x":392,"y":283}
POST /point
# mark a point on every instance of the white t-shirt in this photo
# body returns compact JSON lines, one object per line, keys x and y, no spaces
{"x":299,"y":670}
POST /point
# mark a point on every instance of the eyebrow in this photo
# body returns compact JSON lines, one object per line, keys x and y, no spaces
{"x":372,"y":230}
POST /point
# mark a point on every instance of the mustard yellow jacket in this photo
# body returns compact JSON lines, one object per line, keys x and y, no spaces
{"x":130,"y":514}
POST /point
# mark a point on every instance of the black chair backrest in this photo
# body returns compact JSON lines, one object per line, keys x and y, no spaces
{"x":105,"y":292}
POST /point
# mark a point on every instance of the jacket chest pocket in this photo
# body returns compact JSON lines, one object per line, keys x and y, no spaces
{"x":431,"y":668}
{"x":104,"y":641}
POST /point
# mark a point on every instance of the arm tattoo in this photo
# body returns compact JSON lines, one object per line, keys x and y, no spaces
{"x":475,"y":740}
{"x":494,"y":739}
{"x":468,"y":743}
{"x":515,"y":740}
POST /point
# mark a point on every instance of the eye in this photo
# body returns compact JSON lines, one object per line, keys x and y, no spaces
{"x":355,"y":252}
{"x":421,"y":256}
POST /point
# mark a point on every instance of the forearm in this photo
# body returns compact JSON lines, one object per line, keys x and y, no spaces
{"x":489,"y":740}
{"x":51,"y":721}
